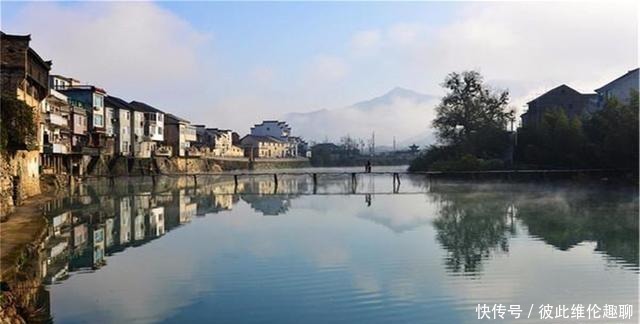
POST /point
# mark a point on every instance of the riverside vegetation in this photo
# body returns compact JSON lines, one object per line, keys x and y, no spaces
{"x":471,"y":126}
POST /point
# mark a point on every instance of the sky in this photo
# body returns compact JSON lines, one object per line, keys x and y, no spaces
{"x":233,"y":64}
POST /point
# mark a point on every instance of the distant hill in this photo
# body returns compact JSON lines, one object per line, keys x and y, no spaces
{"x":403,"y":113}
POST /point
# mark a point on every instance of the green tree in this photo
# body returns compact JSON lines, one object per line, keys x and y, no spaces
{"x":613,"y":135}
{"x":470,"y":109}
{"x":556,"y":141}
{"x":17,"y":125}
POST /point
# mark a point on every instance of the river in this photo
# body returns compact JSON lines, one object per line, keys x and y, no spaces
{"x":428,"y":252}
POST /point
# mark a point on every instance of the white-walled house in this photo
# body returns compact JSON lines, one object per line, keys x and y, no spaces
{"x":272,"y":128}
{"x":152,"y":124}
{"x":179,"y":134}
{"x":295,"y":146}
{"x":122,"y":128}
{"x":221,"y":143}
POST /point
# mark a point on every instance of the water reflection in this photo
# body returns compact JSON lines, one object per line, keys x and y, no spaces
{"x":472,"y":223}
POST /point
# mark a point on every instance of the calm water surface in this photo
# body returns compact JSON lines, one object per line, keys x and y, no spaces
{"x":431,"y":252}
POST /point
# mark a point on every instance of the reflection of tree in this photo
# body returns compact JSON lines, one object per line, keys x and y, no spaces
{"x":607,"y":217}
{"x":474,"y":219}
{"x":470,"y":225}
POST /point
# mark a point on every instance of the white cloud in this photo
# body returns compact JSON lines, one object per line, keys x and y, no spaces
{"x":263,"y":75}
{"x":131,"y":49}
{"x":328,"y":68}
{"x":365,"y":41}
{"x":404,"y":33}
{"x":144,"y":52}
{"x":582,"y":44}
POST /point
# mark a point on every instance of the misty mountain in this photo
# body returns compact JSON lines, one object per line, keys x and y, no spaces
{"x":403,"y":113}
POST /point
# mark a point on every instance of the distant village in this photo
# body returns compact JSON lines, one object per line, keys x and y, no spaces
{"x":77,"y":120}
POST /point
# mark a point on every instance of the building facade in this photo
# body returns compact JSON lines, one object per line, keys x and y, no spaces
{"x":259,"y":147}
{"x":149,"y":122}
{"x":24,"y":75}
{"x":91,"y":98}
{"x":621,"y":88}
{"x":221,"y":143}
{"x":272,"y":128}
{"x":179,"y":134}
{"x":574,"y":104}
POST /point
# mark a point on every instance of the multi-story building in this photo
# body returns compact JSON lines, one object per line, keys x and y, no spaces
{"x":201,"y":137}
{"x":621,"y":88}
{"x":24,"y":75}
{"x":123,"y":125}
{"x":78,"y":125}
{"x":281,"y":131}
{"x":220,"y":141}
{"x":179,"y":134}
{"x":152,"y":124}
{"x":56,"y":115}
{"x":91,"y":98}
{"x":272,"y":128}
{"x":574,"y":103}
{"x":264,"y":147}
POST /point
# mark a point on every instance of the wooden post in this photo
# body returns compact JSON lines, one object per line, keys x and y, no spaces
{"x":354,"y":182}
{"x":195,"y":180}
{"x":235,"y":183}
{"x":275,"y":180}
{"x":315,"y":183}
{"x":153,"y":180}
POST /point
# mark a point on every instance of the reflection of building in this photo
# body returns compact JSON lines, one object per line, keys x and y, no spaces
{"x":259,"y":194}
{"x":181,"y":210}
{"x":187,"y":209}
{"x":156,"y":221}
{"x":124,"y":215}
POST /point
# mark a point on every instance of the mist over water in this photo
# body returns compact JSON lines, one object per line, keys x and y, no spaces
{"x":431,"y":252}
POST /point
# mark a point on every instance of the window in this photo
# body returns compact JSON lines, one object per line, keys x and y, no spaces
{"x":127,"y":115}
{"x":159,"y":117}
{"x":152,"y":130}
{"x":125,"y":146}
{"x":98,"y":120}
{"x":98,"y":100}
{"x":159,"y":130}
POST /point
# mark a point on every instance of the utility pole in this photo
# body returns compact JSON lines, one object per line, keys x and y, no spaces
{"x":373,"y":143}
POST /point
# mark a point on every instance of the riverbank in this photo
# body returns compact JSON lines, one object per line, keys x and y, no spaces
{"x":22,"y":235}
